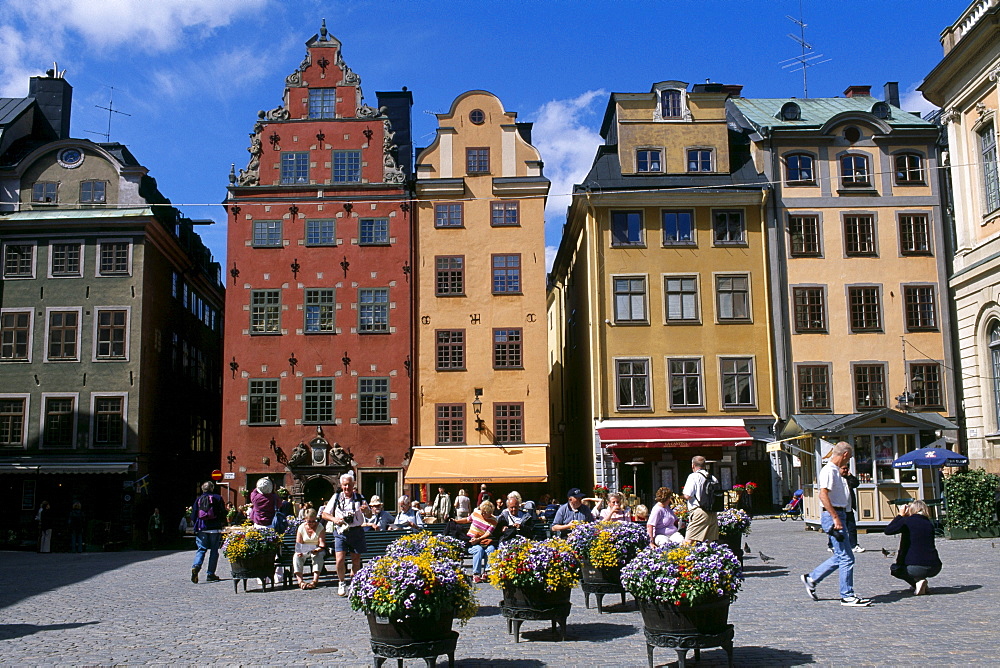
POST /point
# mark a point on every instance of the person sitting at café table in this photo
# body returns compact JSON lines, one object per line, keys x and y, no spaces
{"x":573,"y":511}
{"x":514,"y":521}
{"x":616,"y":510}
{"x":310,"y":539}
{"x":662,"y":523}
{"x":917,"y":559}
{"x":408,"y":516}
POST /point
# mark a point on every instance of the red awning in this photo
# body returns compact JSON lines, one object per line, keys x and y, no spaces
{"x":674,"y":437}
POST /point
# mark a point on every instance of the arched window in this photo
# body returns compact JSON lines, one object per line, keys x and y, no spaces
{"x":994,"y":336}
{"x":799,"y":168}
{"x":854,"y":171}
{"x":909,"y":168}
{"x":790,"y":112}
{"x":670,"y":103}
{"x":882,"y":110}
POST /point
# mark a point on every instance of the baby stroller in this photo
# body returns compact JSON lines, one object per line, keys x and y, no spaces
{"x":793,"y":509}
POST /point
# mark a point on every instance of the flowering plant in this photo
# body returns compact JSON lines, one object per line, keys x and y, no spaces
{"x":738,"y":487}
{"x":413,"y":586}
{"x":733,"y":522}
{"x":685,"y":574}
{"x":549,"y":565}
{"x":439,"y":547}
{"x":608,"y":544}
{"x":627,"y":489}
{"x":244,"y":542}
{"x":601,"y":490}
{"x":292,"y":525}
{"x":751,"y":486}
{"x":681,"y":511}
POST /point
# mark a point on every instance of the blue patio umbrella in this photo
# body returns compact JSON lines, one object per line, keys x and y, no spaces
{"x":928,"y":457}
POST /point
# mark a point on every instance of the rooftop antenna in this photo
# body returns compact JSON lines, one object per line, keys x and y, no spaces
{"x":807,"y":58}
{"x":111,"y":111}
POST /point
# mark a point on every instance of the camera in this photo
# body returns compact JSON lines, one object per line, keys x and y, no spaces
{"x":836,"y":534}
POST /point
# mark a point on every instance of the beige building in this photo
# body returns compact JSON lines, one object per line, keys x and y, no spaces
{"x":481,"y":370}
{"x":964,"y":84}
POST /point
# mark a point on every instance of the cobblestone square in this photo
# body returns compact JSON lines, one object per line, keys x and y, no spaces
{"x":141,"y":608}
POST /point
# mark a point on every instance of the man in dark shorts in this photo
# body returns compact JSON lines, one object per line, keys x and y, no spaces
{"x":346,"y":513}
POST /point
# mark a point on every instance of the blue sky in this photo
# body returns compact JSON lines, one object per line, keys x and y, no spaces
{"x":194,"y":73}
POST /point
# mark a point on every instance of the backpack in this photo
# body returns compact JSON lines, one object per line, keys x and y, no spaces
{"x":712,"y":499}
{"x":206,"y":509}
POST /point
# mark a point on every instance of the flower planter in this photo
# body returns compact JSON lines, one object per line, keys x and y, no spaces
{"x":734,"y":541}
{"x":410,"y":630}
{"x":259,"y":566}
{"x":956,"y":533}
{"x":521,"y":604}
{"x":704,"y":618}
{"x":535,"y":598}
{"x":600,"y":581}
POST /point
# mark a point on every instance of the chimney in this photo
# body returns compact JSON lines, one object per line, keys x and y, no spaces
{"x":891,"y":90}
{"x":55,"y":98}
{"x":858,"y":91}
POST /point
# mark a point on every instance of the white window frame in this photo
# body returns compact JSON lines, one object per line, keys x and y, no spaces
{"x":79,"y":332}
{"x":26,"y":419}
{"x":128,"y":334}
{"x":68,"y":242}
{"x":94,"y":396}
{"x":31,"y":332}
{"x":75,"y":396}
{"x":112,"y":240}
{"x":34,"y":260}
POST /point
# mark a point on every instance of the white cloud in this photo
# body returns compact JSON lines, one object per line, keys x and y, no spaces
{"x":913,"y":101}
{"x":237,"y":67}
{"x":550,"y":257}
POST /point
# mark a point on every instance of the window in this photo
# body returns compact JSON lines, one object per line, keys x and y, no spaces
{"x":65,"y":259}
{"x":64,"y":334}
{"x":854,"y":171}
{"x":477,"y":160}
{"x":59,"y":418}
{"x":373,"y":310}
{"x":685,"y":383}
{"x":322,"y":103}
{"x":114,"y":260}
{"x":670,"y":103}
{"x":909,"y":168}
{"x":994,"y":343}
{"x":449,"y":275}
{"x":648,"y":160}
{"x":347,"y":166}
{"x":791,"y":112}
{"x":320,"y":311}
{"x":19,"y":261}
{"x":15,"y":336}
{"x":450,"y":347}
{"x":799,"y":168}
{"x":991,"y":183}
{"x":318,"y":233}
{"x":450,"y":423}
{"x":869,"y":386}
{"x":109,"y":422}
{"x":506,"y":274}
{"x":508,"y":423}
{"x":507,"y":349}
{"x":732,"y":294}
{"x":920,"y":312}
{"x":737,"y":382}
{"x":810,"y":310}
{"x":448,"y":215}
{"x":814,"y":388}
{"x":682,"y":298}
{"x":373,"y":400}
{"x":265,"y":312}
{"x":925,"y":379}
{"x":699,"y":160}
{"x":804,"y":231}
{"x":859,"y":236}
{"x":866,"y":313}
{"x":374,"y":231}
{"x":263,"y":402}
{"x":626,"y":228}
{"x":504,"y":213}
{"x":12,"y":421}
{"x":728,"y":227}
{"x":914,"y":235}
{"x":678,"y":228}
{"x":632,"y":377}
{"x":267,"y":233}
{"x":317,"y":400}
{"x":477,"y":116}
{"x":112,"y":332}
{"x":630,"y":299}
{"x":93,"y":192}
{"x":44,"y":192}
{"x":294,"y":167}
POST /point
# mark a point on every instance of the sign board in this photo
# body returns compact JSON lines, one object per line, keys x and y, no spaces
{"x":774,"y":447}
{"x":229,"y":476}
{"x":216,"y":474}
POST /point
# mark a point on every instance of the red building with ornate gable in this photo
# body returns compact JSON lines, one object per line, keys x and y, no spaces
{"x":318,"y":314}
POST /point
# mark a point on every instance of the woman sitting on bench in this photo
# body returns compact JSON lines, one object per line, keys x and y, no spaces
{"x":310,"y":540}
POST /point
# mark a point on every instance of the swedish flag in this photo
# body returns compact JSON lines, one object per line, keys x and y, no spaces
{"x":142,"y":485}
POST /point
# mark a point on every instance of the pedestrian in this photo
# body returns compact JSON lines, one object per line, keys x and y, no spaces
{"x":77,"y":523}
{"x":852,"y":522}
{"x":463,"y":505}
{"x":263,"y":503}
{"x":571,"y":513}
{"x":746,"y":499}
{"x":703,"y":524}
{"x":209,"y":515}
{"x":483,"y":495}
{"x":835,"y":497}
{"x":346,"y":512}
{"x":44,"y":519}
{"x":442,"y":506}
{"x":154,"y":529}
{"x":917,"y":559}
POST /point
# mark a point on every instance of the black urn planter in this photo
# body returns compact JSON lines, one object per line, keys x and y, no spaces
{"x":707,"y":618}
{"x":600,"y":582}
{"x":734,"y":541}
{"x":260,"y":566}
{"x":423,"y":638}
{"x":521,"y":604}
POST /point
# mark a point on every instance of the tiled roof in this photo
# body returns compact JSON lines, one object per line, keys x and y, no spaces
{"x":817,"y":111}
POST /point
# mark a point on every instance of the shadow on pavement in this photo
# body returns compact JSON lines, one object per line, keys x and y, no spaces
{"x":490,"y":663}
{"x":764,"y":571}
{"x":900,"y":594}
{"x":628,"y":606}
{"x":769,"y":656}
{"x":488,"y":610}
{"x":11,"y":631}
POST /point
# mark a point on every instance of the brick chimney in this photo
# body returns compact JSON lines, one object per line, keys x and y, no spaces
{"x":858,"y":91}
{"x":55,"y":99}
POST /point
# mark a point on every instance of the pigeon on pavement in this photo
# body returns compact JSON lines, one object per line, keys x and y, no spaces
{"x":764,"y":557}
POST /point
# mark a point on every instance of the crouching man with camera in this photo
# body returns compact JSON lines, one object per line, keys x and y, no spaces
{"x":835,"y":496}
{"x":345,"y":515}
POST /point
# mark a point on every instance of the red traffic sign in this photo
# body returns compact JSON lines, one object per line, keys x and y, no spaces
{"x":216,"y":474}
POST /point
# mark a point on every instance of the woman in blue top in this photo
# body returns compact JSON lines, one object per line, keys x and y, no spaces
{"x":918,"y":557}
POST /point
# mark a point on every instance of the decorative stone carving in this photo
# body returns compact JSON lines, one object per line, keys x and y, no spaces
{"x":364,"y":111}
{"x":279,"y":113}
{"x":294,"y":79}
{"x":300,"y":455}
{"x":339,"y":456}
{"x":391,"y":172}
{"x":950,"y":115}
{"x":251,"y":175}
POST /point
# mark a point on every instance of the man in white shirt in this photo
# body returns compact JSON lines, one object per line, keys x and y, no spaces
{"x":703,"y":525}
{"x":835,"y":497}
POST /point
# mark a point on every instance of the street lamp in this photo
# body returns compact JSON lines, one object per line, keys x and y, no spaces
{"x":477,"y":408}
{"x":905,"y":401}
{"x":635,"y":467}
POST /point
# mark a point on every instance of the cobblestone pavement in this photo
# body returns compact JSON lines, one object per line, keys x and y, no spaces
{"x":141,"y":608}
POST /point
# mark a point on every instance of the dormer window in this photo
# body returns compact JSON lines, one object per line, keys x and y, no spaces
{"x":648,"y":160}
{"x":670,"y":103}
{"x":790,"y":111}
{"x":44,"y":192}
{"x":881,"y":110}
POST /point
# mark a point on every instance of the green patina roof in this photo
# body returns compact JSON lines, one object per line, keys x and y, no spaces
{"x":817,"y":111}
{"x":66,"y":214}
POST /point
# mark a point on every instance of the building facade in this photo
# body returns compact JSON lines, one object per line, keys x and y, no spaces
{"x":318,"y":377}
{"x":482,"y":378}
{"x":111,"y":315}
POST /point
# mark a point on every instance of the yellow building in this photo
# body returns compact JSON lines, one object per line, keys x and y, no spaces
{"x":481,"y":368}
{"x":661,"y":283}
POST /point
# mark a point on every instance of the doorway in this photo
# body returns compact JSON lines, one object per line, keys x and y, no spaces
{"x":317,"y":491}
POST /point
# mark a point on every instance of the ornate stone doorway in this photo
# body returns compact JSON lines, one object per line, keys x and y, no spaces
{"x":317,"y":490}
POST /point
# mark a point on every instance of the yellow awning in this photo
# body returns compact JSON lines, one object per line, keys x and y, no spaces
{"x":438,"y":464}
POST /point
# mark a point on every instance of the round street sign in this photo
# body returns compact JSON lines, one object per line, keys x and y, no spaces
{"x":216,"y":474}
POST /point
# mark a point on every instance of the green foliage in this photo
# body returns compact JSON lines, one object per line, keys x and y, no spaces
{"x":970,"y":496}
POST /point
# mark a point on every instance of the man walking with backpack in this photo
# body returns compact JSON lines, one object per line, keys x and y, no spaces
{"x":209,"y":513}
{"x":701,"y":490}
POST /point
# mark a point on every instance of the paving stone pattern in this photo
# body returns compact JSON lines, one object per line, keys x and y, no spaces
{"x":141,"y":608}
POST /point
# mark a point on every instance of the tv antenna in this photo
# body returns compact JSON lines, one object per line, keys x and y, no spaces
{"x":807,"y":58}
{"x":111,"y":112}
